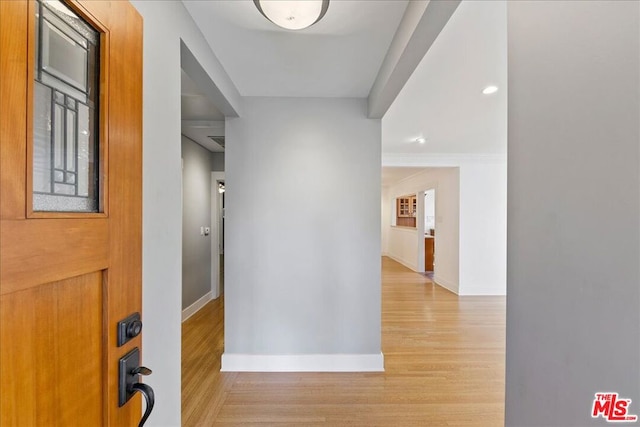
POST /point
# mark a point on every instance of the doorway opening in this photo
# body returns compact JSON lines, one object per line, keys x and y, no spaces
{"x":204,"y":110}
{"x":202,"y":145}
{"x":429,"y":232}
{"x":435,"y":226}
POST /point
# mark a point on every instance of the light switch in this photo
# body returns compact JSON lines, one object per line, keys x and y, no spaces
{"x":202,"y":231}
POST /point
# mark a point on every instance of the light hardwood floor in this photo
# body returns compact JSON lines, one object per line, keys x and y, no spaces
{"x":444,"y":366}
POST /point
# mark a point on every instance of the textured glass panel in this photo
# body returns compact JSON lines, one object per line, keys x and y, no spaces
{"x":58,"y":137}
{"x":56,"y":83}
{"x":37,"y":44}
{"x":60,"y":203}
{"x":71,"y":141}
{"x":71,"y":19}
{"x":65,"y":111}
{"x":42,"y":139}
{"x":84,"y":136}
{"x":92,"y":87}
{"x":63,"y":58}
{"x":53,"y":15}
{"x":64,"y":189}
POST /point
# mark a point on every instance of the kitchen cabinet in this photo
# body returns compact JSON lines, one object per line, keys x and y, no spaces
{"x":429,"y":252}
{"x":406,"y":209}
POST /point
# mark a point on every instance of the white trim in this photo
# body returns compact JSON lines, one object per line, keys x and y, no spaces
{"x":401,"y":228}
{"x":439,"y":159}
{"x":406,"y":263}
{"x":482,"y":293}
{"x":193,"y":308}
{"x":302,"y":363}
{"x":445,"y":284}
{"x":215,"y":126}
{"x":216,"y":213}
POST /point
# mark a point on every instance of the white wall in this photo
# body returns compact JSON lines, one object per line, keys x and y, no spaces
{"x":385,"y":210}
{"x":196,"y":213}
{"x":476,"y":264}
{"x":165,"y":24}
{"x":403,"y":243}
{"x":429,"y":210}
{"x":573,"y":324}
{"x":483,"y":228}
{"x":302,"y":255}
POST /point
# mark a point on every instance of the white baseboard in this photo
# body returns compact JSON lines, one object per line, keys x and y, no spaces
{"x":303,"y":363}
{"x":484,"y":292}
{"x":193,"y":308}
{"x":407,"y":264}
{"x":445,"y":284}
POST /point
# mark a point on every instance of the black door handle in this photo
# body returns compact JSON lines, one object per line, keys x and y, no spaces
{"x":129,"y":383}
{"x":149,"y":397}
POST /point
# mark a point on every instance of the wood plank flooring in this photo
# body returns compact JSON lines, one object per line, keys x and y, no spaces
{"x":444,"y":366}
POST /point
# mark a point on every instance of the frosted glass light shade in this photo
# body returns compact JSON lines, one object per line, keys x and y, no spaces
{"x":293,"y":14}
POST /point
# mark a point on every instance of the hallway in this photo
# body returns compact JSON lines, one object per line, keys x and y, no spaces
{"x":444,"y":366}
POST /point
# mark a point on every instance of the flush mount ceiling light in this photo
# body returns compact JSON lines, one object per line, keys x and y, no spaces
{"x":293,"y":14}
{"x":421,"y":140}
{"x":489,"y":90}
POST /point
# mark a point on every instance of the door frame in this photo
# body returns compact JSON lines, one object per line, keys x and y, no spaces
{"x":422,"y":195}
{"x":217,"y":249}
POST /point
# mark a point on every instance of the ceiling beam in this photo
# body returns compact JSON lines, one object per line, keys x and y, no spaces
{"x":202,"y":128}
{"x":418,"y":29}
{"x":222,"y":94}
{"x":203,"y":123}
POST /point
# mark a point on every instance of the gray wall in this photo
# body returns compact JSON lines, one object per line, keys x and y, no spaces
{"x":166,"y":24}
{"x":573,"y":209}
{"x":302,"y":265}
{"x":217,"y":162}
{"x":196,"y":213}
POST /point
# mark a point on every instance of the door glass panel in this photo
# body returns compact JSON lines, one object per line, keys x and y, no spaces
{"x":41,"y":139}
{"x":65,"y":121}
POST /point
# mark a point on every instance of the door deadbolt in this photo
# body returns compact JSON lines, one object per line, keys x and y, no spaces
{"x":129,"y":328}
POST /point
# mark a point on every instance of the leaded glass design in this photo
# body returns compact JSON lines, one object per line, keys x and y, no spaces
{"x":65,"y":122}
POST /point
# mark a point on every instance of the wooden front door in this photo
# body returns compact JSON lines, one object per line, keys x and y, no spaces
{"x":70,"y":209}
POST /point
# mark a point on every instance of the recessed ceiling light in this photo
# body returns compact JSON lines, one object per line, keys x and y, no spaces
{"x":421,"y":140}
{"x":489,"y":90}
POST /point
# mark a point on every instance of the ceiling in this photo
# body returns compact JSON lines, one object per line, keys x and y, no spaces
{"x":200,"y":118}
{"x":338,"y":57}
{"x":443,"y":101}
